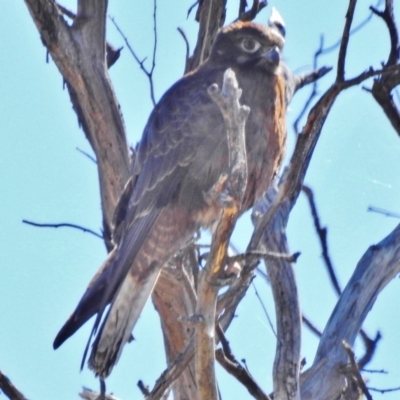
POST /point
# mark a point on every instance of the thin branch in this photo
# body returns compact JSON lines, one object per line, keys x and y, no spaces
{"x":173,"y":371}
{"x":186,"y":40}
{"x":9,"y":389}
{"x":314,"y":90}
{"x":86,"y":154}
{"x":255,"y":255}
{"x":271,"y":325}
{"x":322,"y":236}
{"x":309,"y":78}
{"x":388,"y":17}
{"x":63,"y":225}
{"x":383,"y":212}
{"x":143,"y":388}
{"x":355,"y":371}
{"x":191,"y":8}
{"x":375,"y":371}
{"x":228,"y":361}
{"x":370,"y":348}
{"x":211,"y":16}
{"x":357,"y":28}
{"x":345,"y":41}
{"x":148,"y":73}
{"x":371,"y":389}
{"x":383,"y":86}
{"x":306,"y":321}
{"x":249,"y":15}
{"x":153,"y":62}
{"x":311,"y":326}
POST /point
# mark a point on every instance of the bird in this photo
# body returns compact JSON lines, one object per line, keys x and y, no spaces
{"x":181,"y":155}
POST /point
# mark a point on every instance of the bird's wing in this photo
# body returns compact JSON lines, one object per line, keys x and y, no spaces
{"x":173,"y":166}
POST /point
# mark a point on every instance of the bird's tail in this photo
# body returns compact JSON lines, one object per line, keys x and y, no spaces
{"x":118,"y":324}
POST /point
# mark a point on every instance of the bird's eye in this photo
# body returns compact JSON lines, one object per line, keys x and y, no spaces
{"x":250,"y":45}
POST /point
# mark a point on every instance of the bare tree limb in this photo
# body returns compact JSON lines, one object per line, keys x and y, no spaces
{"x":345,"y":41}
{"x":235,"y":117}
{"x":378,"y":266}
{"x":322,"y":235}
{"x":79,"y":53}
{"x":228,"y":361}
{"x":249,"y":15}
{"x":286,"y":367}
{"x":354,"y":371}
{"x":9,"y":389}
{"x":383,"y":86}
{"x":211,"y":16}
{"x":146,"y":71}
{"x":383,"y":212}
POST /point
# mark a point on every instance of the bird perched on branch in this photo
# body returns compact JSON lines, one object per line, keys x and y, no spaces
{"x":180,"y":157}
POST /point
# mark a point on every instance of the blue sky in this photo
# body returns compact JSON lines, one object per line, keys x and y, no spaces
{"x":45,"y":179}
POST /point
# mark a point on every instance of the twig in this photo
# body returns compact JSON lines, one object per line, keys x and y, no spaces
{"x":255,"y":255}
{"x":62,"y":225}
{"x":311,"y":326}
{"x":172,"y":372}
{"x":345,"y":41}
{"x":370,"y":348}
{"x":257,"y":6}
{"x":371,"y":389}
{"x":148,"y":73}
{"x":191,"y":8}
{"x":355,"y":371}
{"x":9,"y":389}
{"x":374,"y":371}
{"x":322,"y":236}
{"x":383,"y":212}
{"x":383,"y":86}
{"x":89,"y":156}
{"x":309,"y":77}
{"x":314,"y":90}
{"x":143,"y":388}
{"x":228,"y":361}
{"x":264,"y":309}
{"x":153,"y":62}
{"x":183,"y":34}
{"x":357,"y":28}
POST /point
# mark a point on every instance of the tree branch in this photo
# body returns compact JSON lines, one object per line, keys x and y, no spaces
{"x":211,"y":16}
{"x":62,"y":225}
{"x":228,"y":361}
{"x":235,"y":117}
{"x":79,"y":53}
{"x":377,"y":267}
{"x":9,"y":389}
{"x":383,"y":86}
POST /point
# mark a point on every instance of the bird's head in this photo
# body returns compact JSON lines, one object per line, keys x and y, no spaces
{"x":248,"y":45}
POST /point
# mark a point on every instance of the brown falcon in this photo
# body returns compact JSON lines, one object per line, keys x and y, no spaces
{"x":181,"y":155}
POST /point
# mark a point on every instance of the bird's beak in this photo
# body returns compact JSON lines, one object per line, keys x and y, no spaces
{"x":272,"y":56}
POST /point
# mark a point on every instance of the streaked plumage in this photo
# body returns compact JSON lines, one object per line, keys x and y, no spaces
{"x":182,"y":153}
